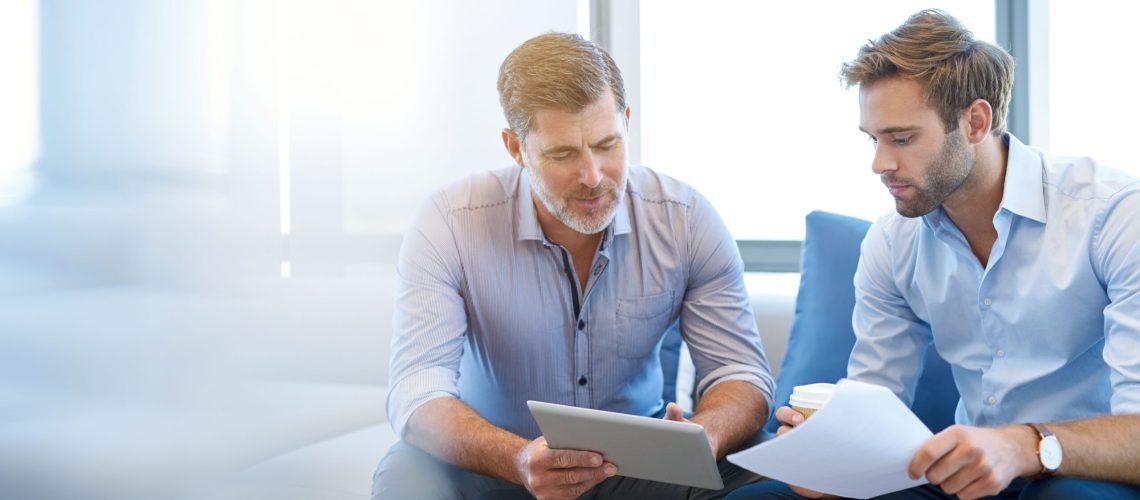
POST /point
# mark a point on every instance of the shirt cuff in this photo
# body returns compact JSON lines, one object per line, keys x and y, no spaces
{"x":1126,"y":401}
{"x":757,"y":378}
{"x":411,"y":392}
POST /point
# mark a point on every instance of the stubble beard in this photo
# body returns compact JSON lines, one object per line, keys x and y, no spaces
{"x":948,"y":172}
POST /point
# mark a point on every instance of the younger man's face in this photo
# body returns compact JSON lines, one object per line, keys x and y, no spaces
{"x":919,"y":162}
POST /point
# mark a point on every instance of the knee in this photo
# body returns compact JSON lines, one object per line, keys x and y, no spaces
{"x":408,"y":472}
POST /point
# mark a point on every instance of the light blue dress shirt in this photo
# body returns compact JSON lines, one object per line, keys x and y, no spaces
{"x":491,"y":312}
{"x":1049,"y":330}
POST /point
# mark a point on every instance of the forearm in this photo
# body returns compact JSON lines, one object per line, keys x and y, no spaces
{"x":731,"y":413}
{"x":1104,"y":448}
{"x":453,"y":432}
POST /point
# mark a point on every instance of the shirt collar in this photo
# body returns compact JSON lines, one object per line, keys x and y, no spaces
{"x":1024,"y":190}
{"x":530,"y":229}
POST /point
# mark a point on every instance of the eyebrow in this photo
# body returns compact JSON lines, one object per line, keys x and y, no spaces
{"x":572,"y":149}
{"x":893,"y":130}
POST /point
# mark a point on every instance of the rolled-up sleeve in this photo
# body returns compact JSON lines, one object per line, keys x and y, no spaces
{"x":1116,"y":251}
{"x":429,"y":323}
{"x":716,"y":316}
{"x":890,"y":340}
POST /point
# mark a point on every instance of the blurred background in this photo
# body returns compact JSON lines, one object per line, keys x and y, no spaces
{"x":201,"y":201}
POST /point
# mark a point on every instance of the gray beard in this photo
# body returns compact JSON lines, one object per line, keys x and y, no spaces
{"x":560,"y":209}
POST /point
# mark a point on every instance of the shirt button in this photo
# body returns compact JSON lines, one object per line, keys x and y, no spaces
{"x":991,"y":400}
{"x":987,"y":301}
{"x":1000,"y":353}
{"x":582,"y":380}
{"x":581,"y":324}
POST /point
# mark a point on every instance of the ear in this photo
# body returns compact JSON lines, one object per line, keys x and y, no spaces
{"x":979,"y":119}
{"x":514,"y":146}
{"x":627,"y":109}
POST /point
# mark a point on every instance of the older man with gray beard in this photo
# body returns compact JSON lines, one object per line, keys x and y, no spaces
{"x":557,"y":281}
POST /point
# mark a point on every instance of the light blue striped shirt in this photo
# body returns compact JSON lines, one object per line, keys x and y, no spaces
{"x":485,"y":304}
{"x":1049,"y":330}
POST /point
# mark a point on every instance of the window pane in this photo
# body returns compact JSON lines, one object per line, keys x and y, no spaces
{"x":19,"y":120}
{"x":1092,"y":93}
{"x":742,"y":100}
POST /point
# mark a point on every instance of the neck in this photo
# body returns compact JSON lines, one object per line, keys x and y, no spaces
{"x":973,"y":205}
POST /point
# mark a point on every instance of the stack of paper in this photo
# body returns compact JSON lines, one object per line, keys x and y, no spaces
{"x":859,"y":445}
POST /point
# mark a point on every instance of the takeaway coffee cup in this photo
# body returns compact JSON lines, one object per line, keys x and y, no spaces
{"x":807,"y":399}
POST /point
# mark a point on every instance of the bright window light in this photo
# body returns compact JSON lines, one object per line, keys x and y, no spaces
{"x":742,"y":100}
{"x":19,"y":97}
{"x":584,"y":18}
{"x":1092,"y":90}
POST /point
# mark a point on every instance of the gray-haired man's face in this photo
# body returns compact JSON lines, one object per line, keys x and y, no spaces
{"x":578,"y":163}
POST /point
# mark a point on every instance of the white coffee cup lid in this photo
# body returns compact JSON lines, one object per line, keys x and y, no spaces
{"x":812,"y":396}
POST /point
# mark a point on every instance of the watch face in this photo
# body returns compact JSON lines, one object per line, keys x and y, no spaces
{"x":1050,"y":450}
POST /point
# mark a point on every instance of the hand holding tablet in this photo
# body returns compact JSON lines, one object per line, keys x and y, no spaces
{"x":641,"y":447}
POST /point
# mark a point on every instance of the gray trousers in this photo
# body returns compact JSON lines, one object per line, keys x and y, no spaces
{"x":407,"y":472}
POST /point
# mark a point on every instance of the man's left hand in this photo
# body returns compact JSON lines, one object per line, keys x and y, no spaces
{"x":974,"y":462}
{"x":674,"y":412}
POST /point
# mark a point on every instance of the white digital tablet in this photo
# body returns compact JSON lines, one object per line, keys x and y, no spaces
{"x":641,"y":447}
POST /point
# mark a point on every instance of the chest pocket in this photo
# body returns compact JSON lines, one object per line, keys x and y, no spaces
{"x":641,"y":323}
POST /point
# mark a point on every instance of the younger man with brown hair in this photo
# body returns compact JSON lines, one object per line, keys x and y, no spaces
{"x":1020,"y":269}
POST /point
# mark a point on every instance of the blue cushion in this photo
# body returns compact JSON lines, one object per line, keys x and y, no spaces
{"x":821,"y":337}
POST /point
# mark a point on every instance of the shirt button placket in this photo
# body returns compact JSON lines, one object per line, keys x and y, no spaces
{"x":581,"y":361}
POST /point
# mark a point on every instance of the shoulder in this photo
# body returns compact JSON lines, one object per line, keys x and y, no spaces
{"x":894,"y":230}
{"x":1083,"y":178}
{"x":480,"y":191}
{"x":650,"y":188}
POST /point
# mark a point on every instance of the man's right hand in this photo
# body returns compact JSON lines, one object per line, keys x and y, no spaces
{"x":548,"y":473}
{"x":788,"y":419}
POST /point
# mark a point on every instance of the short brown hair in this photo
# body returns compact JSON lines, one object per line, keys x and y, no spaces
{"x":935,"y":48}
{"x":555,"y":71}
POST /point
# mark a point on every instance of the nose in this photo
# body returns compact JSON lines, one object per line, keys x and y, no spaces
{"x":591,"y":174}
{"x":883,"y":161}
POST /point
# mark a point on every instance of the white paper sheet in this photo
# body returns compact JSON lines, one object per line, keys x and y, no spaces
{"x":857,"y":446}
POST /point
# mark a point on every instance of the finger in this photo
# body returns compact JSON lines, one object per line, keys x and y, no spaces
{"x":564,"y":459}
{"x":578,"y":489}
{"x":674,"y":412}
{"x":578,"y":475}
{"x":985,"y":486}
{"x":959,"y":479}
{"x":572,"y":483}
{"x":932,"y":450}
{"x":782,"y":430}
{"x":787,"y":416}
{"x":961,"y":464}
